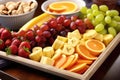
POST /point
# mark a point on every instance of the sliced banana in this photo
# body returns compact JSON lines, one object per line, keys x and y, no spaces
{"x":99,"y":37}
{"x":64,"y":39}
{"x":57,"y":54}
{"x":75,"y":34}
{"x":73,"y":41}
{"x":68,"y":49}
{"x":36,"y":54}
{"x":47,"y":60}
{"x":36,"y":48}
{"x":58,"y":44}
{"x":89,"y":34}
{"x":48,"y":51}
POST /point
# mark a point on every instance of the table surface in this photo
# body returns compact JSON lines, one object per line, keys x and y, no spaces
{"x":109,"y":70}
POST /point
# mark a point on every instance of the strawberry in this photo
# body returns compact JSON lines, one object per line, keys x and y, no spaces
{"x":8,"y":42}
{"x":23,"y":52}
{"x":12,"y":49}
{"x":25,"y":44}
{"x":16,"y":42}
{"x":2,"y":44}
{"x":1,"y":30}
{"x":6,"y":34}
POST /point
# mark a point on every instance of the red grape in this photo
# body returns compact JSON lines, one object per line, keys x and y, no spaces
{"x":37,"y":39}
{"x":44,"y":27}
{"x":63,"y":33}
{"x":73,"y":18}
{"x":36,"y":27}
{"x":53,"y":23}
{"x":73,"y":26}
{"x":79,"y":22}
{"x":53,"y":31}
{"x":46,"y":34}
{"x":39,"y":32}
{"x":66,"y":22}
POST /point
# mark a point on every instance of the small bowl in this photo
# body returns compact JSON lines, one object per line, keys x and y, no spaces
{"x":15,"y":22}
{"x":79,"y":3}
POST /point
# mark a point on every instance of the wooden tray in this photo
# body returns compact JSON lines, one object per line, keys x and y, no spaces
{"x":64,"y":73}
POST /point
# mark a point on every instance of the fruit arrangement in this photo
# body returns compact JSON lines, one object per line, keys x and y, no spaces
{"x":70,"y":43}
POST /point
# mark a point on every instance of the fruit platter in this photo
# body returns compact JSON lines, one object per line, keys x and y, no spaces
{"x":73,"y":47}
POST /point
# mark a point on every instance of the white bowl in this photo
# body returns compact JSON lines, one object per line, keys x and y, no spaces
{"x":15,"y":22}
{"x":79,"y":3}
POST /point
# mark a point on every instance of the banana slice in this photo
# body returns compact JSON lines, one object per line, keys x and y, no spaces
{"x":58,"y":44}
{"x":64,"y":39}
{"x":89,"y":34}
{"x":99,"y":37}
{"x":47,"y":60}
{"x":48,"y":51}
{"x":73,"y":41}
{"x":57,"y":54}
{"x":36,"y":54}
{"x":36,"y":49}
{"x":75,"y":34}
{"x":68,"y":49}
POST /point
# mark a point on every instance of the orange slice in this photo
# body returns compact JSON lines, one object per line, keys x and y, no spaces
{"x":83,"y":70}
{"x":68,"y":62}
{"x":78,"y":67}
{"x":95,"y":46}
{"x":60,"y":61}
{"x":84,"y":52}
{"x":63,"y":6}
{"x":80,"y":61}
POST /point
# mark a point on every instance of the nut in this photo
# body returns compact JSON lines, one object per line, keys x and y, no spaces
{"x":16,"y":8}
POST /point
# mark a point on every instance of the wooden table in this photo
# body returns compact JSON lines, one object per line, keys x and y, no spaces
{"x":108,"y":71}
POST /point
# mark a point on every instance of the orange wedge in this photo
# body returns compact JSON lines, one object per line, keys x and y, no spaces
{"x":68,"y":62}
{"x":60,"y":61}
{"x":78,"y":67}
{"x":95,"y":46}
{"x":63,"y":6}
{"x":83,"y":70}
{"x":84,"y":52}
{"x":80,"y":61}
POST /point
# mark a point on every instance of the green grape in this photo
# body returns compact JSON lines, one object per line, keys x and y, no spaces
{"x":118,"y":28}
{"x":108,"y":13}
{"x":103,"y":8}
{"x":117,"y":18}
{"x":101,"y":12}
{"x":99,"y":27}
{"x":103,"y":22}
{"x":113,"y":23}
{"x":112,"y":31}
{"x":114,"y":12}
{"x":90,"y":16}
{"x":99,"y":17}
{"x":108,"y":19}
{"x":94,"y":22}
{"x":96,"y":12}
{"x":94,"y":7}
{"x":104,"y":31}
{"x":89,"y":11}
{"x":83,"y":10}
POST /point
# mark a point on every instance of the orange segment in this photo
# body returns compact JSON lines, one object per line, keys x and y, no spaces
{"x":63,"y":6}
{"x":60,"y":61}
{"x":80,"y":61}
{"x":95,"y":46}
{"x":84,"y":52}
{"x":68,"y":62}
{"x":78,"y":67}
{"x":83,"y":70}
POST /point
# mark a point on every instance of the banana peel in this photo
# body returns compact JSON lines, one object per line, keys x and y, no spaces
{"x":39,"y":20}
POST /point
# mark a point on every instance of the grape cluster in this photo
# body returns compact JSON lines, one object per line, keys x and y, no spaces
{"x":45,"y":34}
{"x":104,"y":20}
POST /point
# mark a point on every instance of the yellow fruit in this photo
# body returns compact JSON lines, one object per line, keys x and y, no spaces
{"x":36,"y":55}
{"x":58,"y":44}
{"x":73,"y":41}
{"x":99,"y":37}
{"x":37,"y":21}
{"x":57,"y":54}
{"x":64,"y":39}
{"x":107,"y":38}
{"x":48,"y":51}
{"x":68,"y":49}
{"x":47,"y":60}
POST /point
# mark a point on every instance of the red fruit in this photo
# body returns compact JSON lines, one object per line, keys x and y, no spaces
{"x":25,"y":44}
{"x":8,"y":42}
{"x":60,"y":20}
{"x":53,"y":24}
{"x":67,"y":22}
{"x":82,"y":29}
{"x":16,"y":42}
{"x":44,"y":27}
{"x":88,"y":23}
{"x":30,"y":35}
{"x":36,"y":27}
{"x":46,"y":34}
{"x":12,"y":49}
{"x":1,"y":30}
{"x":39,"y":32}
{"x":23,"y":52}
{"x":73,"y":18}
{"x":21,"y":33}
{"x":79,"y":22}
{"x":6,"y":34}
{"x":73,"y":26}
{"x":2,"y":44}
{"x":59,"y":27}
{"x":14,"y":34}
